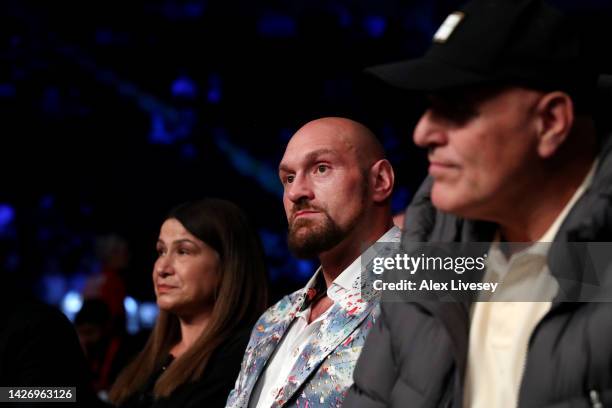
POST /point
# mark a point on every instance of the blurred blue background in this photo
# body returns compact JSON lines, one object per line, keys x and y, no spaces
{"x":112,"y":112}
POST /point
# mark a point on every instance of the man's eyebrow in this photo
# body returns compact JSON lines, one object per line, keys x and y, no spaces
{"x":283,"y":168}
{"x":320,"y":152}
{"x":310,"y":157}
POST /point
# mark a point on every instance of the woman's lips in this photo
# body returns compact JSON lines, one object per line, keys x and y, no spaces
{"x":163,"y":288}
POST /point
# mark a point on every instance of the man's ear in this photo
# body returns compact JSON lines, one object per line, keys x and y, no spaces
{"x":382,"y":179}
{"x":555,"y":113}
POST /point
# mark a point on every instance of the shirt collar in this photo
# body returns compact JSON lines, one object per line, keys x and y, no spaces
{"x":350,"y":278}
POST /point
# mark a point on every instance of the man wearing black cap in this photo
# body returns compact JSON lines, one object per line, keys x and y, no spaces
{"x":514,"y":157}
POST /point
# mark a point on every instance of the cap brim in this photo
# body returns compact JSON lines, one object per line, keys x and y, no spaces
{"x":425,"y":75}
{"x":429,"y":75}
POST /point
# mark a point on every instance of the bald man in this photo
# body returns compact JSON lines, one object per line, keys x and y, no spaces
{"x":337,"y":188}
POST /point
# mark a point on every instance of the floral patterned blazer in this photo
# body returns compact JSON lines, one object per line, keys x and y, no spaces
{"x":323,"y":371}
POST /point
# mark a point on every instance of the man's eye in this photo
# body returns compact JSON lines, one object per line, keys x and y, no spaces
{"x":456,"y":109}
{"x":289,"y":179}
{"x":321,"y":168}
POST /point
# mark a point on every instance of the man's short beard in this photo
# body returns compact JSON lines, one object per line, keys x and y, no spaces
{"x":317,"y":237}
{"x":320,"y":237}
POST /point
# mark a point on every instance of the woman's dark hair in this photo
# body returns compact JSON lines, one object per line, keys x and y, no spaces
{"x":241,"y":298}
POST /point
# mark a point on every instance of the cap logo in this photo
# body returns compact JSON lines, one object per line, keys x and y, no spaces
{"x":448,"y":26}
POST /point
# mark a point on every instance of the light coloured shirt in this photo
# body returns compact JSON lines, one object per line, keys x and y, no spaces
{"x":298,"y":335}
{"x":500,"y":329}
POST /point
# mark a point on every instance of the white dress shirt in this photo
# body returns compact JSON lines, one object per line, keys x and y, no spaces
{"x":500,"y":329}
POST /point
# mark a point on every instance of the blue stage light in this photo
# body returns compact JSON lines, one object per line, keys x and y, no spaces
{"x":131,"y":315}
{"x":130,"y":305}
{"x":54,"y":287}
{"x":273,"y":243}
{"x":194,"y":9}
{"x":400,"y":200}
{"x":375,"y":26}
{"x":71,"y":304}
{"x":184,"y":87}
{"x":273,"y":24}
{"x":46,"y":202}
{"x":248,"y":165}
{"x":7,"y":216}
{"x":159,"y":134}
{"x":305,"y":268}
{"x":7,"y":91}
{"x":148,"y":312}
{"x":214,"y":89}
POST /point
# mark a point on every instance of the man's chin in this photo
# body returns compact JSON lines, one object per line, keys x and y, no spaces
{"x":443,"y":198}
{"x":304,"y":230}
{"x":307,"y":244}
{"x":458,"y":203}
{"x":309,"y":238}
{"x":300,"y":242}
{"x":304,"y":222}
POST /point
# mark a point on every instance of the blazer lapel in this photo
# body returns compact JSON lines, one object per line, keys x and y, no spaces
{"x":336,"y":329}
{"x":268,"y":335}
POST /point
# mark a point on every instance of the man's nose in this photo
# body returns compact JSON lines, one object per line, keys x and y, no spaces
{"x":429,"y":131}
{"x":300,"y":189}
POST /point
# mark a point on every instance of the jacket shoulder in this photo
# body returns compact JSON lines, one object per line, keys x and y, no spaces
{"x":280,"y":308}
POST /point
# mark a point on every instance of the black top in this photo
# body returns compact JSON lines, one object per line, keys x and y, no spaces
{"x":39,"y":347}
{"x":210,"y":391}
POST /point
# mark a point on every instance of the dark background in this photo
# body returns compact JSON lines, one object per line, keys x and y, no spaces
{"x":114,"y":111}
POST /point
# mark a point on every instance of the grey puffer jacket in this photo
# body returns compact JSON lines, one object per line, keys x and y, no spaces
{"x":416,"y":355}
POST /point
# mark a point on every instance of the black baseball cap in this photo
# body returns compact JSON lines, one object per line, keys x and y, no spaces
{"x":523,"y":42}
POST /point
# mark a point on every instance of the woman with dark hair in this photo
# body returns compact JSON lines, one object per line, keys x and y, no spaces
{"x":210,"y":284}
